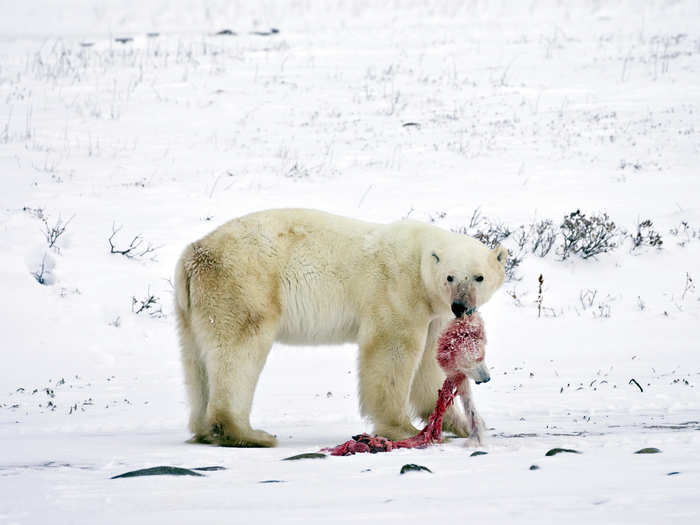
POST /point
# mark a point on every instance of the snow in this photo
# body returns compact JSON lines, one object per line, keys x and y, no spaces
{"x":526,"y":112}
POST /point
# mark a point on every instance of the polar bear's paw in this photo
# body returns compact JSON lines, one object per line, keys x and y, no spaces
{"x":455,"y":423}
{"x":228,"y":436}
{"x":396,"y":433}
{"x":200,"y":438}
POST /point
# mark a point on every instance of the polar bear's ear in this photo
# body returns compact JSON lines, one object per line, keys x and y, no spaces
{"x":435,"y":255}
{"x":501,"y":253}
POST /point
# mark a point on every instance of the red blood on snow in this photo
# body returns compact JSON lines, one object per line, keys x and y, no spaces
{"x":460,"y":345}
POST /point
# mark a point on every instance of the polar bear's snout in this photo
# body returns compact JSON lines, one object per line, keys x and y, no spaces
{"x":459,"y":308}
{"x":464,"y":298}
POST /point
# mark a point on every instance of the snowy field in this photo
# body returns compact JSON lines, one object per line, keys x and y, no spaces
{"x":132,"y":120}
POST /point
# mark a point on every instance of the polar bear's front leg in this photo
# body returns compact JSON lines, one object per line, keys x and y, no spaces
{"x":429,"y":379}
{"x":424,"y":393}
{"x":387,"y":364}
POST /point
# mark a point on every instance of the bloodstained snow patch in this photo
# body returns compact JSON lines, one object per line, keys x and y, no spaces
{"x":459,"y":348}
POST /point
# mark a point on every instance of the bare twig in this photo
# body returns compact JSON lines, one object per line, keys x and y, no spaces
{"x":475,"y":218}
{"x":39,"y":274}
{"x":359,"y":204}
{"x":587,"y":298}
{"x":52,"y":233}
{"x":689,"y":285}
{"x":633,"y":380}
{"x":146,"y":304}
{"x":134,"y":250}
{"x":540,"y":280}
{"x":140,"y":305}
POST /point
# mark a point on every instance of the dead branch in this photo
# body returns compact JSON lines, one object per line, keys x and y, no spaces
{"x":135,"y":249}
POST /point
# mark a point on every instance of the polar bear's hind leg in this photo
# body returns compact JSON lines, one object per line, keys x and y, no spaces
{"x":233,"y":367}
{"x":227,"y":326}
{"x":196,"y":383}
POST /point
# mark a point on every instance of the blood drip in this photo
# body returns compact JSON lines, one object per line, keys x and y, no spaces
{"x":460,"y":344}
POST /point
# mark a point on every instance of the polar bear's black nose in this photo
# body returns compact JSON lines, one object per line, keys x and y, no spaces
{"x":458,"y":308}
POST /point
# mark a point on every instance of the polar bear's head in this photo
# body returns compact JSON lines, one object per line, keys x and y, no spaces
{"x":463,"y":274}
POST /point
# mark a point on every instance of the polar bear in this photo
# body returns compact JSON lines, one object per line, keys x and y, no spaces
{"x":307,"y":277}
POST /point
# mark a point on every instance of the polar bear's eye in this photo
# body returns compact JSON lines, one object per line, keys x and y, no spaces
{"x":479,"y":278}
{"x":450,"y":278}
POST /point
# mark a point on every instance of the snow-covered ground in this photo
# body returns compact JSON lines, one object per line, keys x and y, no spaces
{"x":376,"y":110}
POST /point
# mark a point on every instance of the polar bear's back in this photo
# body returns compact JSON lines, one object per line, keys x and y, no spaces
{"x":314,"y":262}
{"x":323,"y":271}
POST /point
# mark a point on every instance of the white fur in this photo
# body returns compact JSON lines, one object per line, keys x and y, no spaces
{"x":308,"y":277}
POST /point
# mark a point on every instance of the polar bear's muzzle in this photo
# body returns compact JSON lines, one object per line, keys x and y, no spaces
{"x":459,"y":308}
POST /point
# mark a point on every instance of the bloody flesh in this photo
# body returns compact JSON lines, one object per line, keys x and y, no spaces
{"x":462,"y":342}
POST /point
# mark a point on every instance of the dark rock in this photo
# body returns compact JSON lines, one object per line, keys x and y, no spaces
{"x":209,"y":469}
{"x":555,"y":451}
{"x":412,"y":467}
{"x":673,"y":473}
{"x":478,"y":453}
{"x":158,"y":471}
{"x":272,"y":481}
{"x":272,"y":31}
{"x":308,"y":455}
{"x":225,"y":32}
{"x":534,"y":467}
{"x":124,"y":39}
{"x":648,"y":450}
